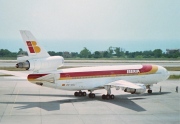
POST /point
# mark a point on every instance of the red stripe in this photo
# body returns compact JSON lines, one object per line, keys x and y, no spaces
{"x":31,"y":50}
{"x":35,"y":76}
{"x":30,"y":47}
{"x":145,"y":68}
{"x":93,"y":73}
{"x":28,"y":43}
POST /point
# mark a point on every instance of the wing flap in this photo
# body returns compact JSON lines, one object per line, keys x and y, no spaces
{"x":48,"y":77}
{"x":124,"y":84}
{"x":52,"y":77}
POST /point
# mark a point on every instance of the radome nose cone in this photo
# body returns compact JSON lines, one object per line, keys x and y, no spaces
{"x":163,"y":71}
{"x":166,"y":73}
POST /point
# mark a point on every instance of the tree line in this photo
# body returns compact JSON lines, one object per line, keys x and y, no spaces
{"x":111,"y":52}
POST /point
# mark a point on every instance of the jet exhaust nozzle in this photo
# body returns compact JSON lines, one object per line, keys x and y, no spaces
{"x":25,"y":65}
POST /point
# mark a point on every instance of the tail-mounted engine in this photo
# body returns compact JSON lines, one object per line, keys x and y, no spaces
{"x":48,"y":64}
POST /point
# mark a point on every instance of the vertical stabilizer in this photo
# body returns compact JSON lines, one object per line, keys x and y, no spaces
{"x":33,"y":48}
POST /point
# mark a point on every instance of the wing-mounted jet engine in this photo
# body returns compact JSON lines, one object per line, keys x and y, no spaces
{"x":136,"y":91}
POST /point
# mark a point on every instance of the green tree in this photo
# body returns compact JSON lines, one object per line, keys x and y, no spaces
{"x":110,"y":51}
{"x":51,"y":53}
{"x":85,"y":53}
{"x":176,"y":54}
{"x":97,"y":54}
{"x":74,"y":54}
{"x":147,"y":54}
{"x":59,"y":53}
{"x":20,"y":50}
{"x":157,"y":53}
{"x":106,"y":54}
{"x":5,"y":53}
{"x":117,"y":51}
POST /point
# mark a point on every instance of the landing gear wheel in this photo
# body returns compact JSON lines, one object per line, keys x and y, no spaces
{"x":84,"y":93}
{"x":103,"y":96}
{"x":107,"y":97}
{"x":91,"y":95}
{"x":149,"y":91}
{"x":112,"y":96}
{"x":80,"y":93}
{"x":76,"y":94}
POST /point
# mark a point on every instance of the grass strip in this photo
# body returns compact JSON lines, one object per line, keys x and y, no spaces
{"x":174,"y":77}
{"x":173,"y":68}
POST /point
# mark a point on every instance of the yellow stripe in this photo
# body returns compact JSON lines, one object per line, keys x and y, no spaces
{"x":152,"y":71}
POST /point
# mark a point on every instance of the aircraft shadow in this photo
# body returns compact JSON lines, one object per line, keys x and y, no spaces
{"x":120,"y":100}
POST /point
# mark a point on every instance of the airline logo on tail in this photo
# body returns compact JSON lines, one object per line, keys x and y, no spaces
{"x":32,"y":46}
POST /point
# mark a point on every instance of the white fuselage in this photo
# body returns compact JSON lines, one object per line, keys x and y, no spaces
{"x":92,"y":78}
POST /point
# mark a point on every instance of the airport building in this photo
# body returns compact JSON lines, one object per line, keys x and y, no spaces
{"x":168,"y":51}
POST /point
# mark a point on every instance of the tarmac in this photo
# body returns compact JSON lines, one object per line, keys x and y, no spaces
{"x":24,"y":103}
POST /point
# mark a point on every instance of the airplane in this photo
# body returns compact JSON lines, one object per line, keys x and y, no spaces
{"x":134,"y":79}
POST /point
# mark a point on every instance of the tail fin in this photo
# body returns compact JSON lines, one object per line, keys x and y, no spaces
{"x":33,"y":48}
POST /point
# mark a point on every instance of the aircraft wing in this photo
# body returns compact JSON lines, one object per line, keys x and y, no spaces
{"x":124,"y":84}
{"x":48,"y":77}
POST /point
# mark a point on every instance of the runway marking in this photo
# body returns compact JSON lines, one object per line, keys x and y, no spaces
{"x":14,"y":102}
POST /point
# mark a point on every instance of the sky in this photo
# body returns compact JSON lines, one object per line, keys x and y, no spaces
{"x":71,"y":25}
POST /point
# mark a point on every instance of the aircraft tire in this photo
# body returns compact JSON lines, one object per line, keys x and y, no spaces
{"x":103,"y":96}
{"x":91,"y":95}
{"x":149,"y":91}
{"x":80,"y":94}
{"x":84,"y":93}
{"x":107,"y":97}
{"x":112,"y":96}
{"x":76,"y":94}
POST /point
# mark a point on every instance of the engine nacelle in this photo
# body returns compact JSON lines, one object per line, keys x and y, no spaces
{"x":136,"y":91}
{"x":48,"y":64}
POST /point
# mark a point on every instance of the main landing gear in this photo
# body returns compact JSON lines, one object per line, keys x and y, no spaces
{"x":91,"y":95}
{"x":108,"y":96}
{"x":80,"y":93}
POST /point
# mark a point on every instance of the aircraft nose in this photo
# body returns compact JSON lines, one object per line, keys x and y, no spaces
{"x":164,"y":72}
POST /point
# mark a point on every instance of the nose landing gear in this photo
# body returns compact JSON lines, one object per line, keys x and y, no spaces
{"x":149,"y":89}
